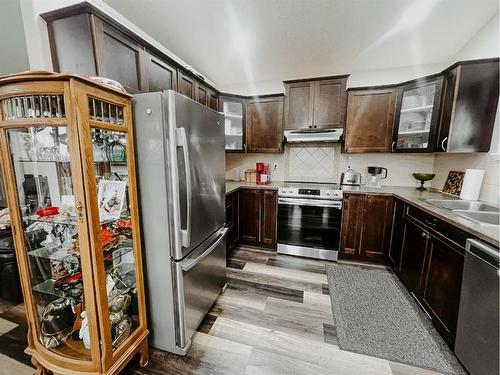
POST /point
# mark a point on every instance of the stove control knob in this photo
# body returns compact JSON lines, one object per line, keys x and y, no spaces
{"x":328,"y":193}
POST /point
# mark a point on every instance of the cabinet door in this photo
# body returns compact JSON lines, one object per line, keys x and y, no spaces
{"x":441,"y":286}
{"x":249,"y":207}
{"x":370,"y":118}
{"x":213,"y":100}
{"x":413,"y":256}
{"x":161,"y":76}
{"x":397,"y":234}
{"x":468,"y":117}
{"x":268,"y":220}
{"x":375,"y":235}
{"x":234,"y":123}
{"x":265,"y":124}
{"x":416,"y":119}
{"x":201,"y":94}
{"x":185,"y":85}
{"x":299,"y":105}
{"x":119,"y":58}
{"x":352,"y":223}
{"x":330,"y":99}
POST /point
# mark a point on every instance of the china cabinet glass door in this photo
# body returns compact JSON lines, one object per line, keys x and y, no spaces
{"x":115,"y":211}
{"x":42,"y":166}
{"x":417,"y":112}
{"x":234,"y":113}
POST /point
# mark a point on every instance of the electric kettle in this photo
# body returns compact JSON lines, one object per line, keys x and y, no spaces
{"x":350,"y":176}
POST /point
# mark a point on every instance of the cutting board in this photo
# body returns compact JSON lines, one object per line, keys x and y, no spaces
{"x":454,"y":182}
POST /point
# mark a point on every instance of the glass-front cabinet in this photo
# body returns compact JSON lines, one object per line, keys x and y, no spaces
{"x":417,"y":113}
{"x":68,"y":162}
{"x":234,"y":122}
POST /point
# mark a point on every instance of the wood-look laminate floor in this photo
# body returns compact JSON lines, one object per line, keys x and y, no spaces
{"x":275,"y":318}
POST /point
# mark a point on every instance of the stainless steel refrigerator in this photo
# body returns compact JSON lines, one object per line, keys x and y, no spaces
{"x":180,"y":164}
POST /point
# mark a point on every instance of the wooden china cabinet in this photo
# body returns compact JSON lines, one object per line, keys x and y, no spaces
{"x":67,"y":156}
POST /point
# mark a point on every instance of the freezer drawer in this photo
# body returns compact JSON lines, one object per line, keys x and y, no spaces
{"x":203,"y":277}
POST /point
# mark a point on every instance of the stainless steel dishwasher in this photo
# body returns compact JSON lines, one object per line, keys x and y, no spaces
{"x":477,"y":340}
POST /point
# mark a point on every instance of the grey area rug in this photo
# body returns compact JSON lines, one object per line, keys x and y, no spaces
{"x":375,"y":315}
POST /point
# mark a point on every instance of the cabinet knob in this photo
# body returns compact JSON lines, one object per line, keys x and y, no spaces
{"x":315,"y":126}
{"x":424,"y":234}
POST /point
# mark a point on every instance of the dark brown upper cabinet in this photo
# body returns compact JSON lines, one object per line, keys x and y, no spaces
{"x":205,"y":96}
{"x":186,"y":85}
{"x":417,"y":113}
{"x":213,"y":100}
{"x":370,"y":120}
{"x":161,"y":76}
{"x":119,"y":58}
{"x":469,"y":105}
{"x":264,"y":124}
{"x":318,"y":103}
{"x":234,"y":111}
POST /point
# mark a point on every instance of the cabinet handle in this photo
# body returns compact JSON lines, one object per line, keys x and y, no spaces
{"x":392,"y":146}
{"x":315,"y":126}
{"x":79,"y":209}
{"x":443,"y":142}
{"x":424,"y":234}
{"x":431,"y":222}
{"x":245,"y":148}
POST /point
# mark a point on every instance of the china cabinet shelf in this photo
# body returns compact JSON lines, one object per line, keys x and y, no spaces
{"x":94,"y":321}
{"x":424,"y":108}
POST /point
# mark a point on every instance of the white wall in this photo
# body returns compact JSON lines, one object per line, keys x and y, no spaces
{"x":13,"y":51}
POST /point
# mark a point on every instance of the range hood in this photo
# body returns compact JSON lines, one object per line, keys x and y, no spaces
{"x":313,"y":135}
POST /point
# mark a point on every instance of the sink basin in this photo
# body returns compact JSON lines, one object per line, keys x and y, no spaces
{"x":458,"y":204}
{"x":483,"y":218}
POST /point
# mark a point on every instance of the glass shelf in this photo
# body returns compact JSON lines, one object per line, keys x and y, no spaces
{"x":418,"y":109}
{"x":414,"y":132}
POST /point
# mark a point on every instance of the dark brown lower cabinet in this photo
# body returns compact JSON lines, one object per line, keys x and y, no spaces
{"x":413,"y":256}
{"x":257,"y":216}
{"x":366,"y":227}
{"x":431,"y":268}
{"x":441,"y":285}
{"x":232,"y":220}
{"x":397,"y":234}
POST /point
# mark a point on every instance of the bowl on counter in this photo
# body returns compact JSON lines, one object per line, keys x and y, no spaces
{"x":422,"y":177}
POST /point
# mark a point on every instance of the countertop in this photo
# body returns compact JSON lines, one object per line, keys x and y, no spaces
{"x":489,"y":234}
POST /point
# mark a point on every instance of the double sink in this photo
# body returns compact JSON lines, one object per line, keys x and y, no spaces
{"x":480,"y":212}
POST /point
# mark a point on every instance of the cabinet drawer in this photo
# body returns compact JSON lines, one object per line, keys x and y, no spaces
{"x":439,"y":227}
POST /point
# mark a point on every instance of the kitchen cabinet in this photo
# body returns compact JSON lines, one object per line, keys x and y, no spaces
{"x":413,"y":256}
{"x":161,"y":75}
{"x":186,"y":85}
{"x":441,"y":285}
{"x":264,"y":124}
{"x":431,"y":267}
{"x":257,"y":216}
{"x":469,"y":106}
{"x":75,"y":222}
{"x":366,"y":224}
{"x":232,"y":219}
{"x":316,"y":103}
{"x":397,"y":234}
{"x":370,"y":120}
{"x":233,"y":108}
{"x":417,"y":112}
{"x":119,"y":58}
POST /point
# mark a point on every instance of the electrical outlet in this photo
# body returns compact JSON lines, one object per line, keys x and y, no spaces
{"x":275,"y":165}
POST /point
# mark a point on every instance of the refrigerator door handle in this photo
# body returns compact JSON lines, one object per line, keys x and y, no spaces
{"x":222,"y":234}
{"x":182,"y":142}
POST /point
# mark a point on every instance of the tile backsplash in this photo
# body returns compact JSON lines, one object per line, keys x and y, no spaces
{"x":324,"y":163}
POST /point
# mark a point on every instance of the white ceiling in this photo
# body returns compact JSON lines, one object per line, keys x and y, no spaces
{"x":240,"y":41}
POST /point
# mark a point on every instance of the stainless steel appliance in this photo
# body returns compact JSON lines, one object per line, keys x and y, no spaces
{"x":313,"y":135}
{"x":350,"y":176}
{"x":477,"y":341}
{"x":180,"y":163}
{"x":309,"y":220}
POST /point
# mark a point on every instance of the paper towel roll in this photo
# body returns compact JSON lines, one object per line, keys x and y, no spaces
{"x":472,"y":184}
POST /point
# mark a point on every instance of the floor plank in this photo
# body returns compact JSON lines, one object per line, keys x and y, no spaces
{"x":285,"y":273}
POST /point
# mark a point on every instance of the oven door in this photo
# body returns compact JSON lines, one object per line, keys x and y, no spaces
{"x":309,"y":227}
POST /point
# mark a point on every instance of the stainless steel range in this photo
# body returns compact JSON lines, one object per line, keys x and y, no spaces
{"x":309,"y":220}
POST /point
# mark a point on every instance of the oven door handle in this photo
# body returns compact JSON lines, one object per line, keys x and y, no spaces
{"x":311,"y":202}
